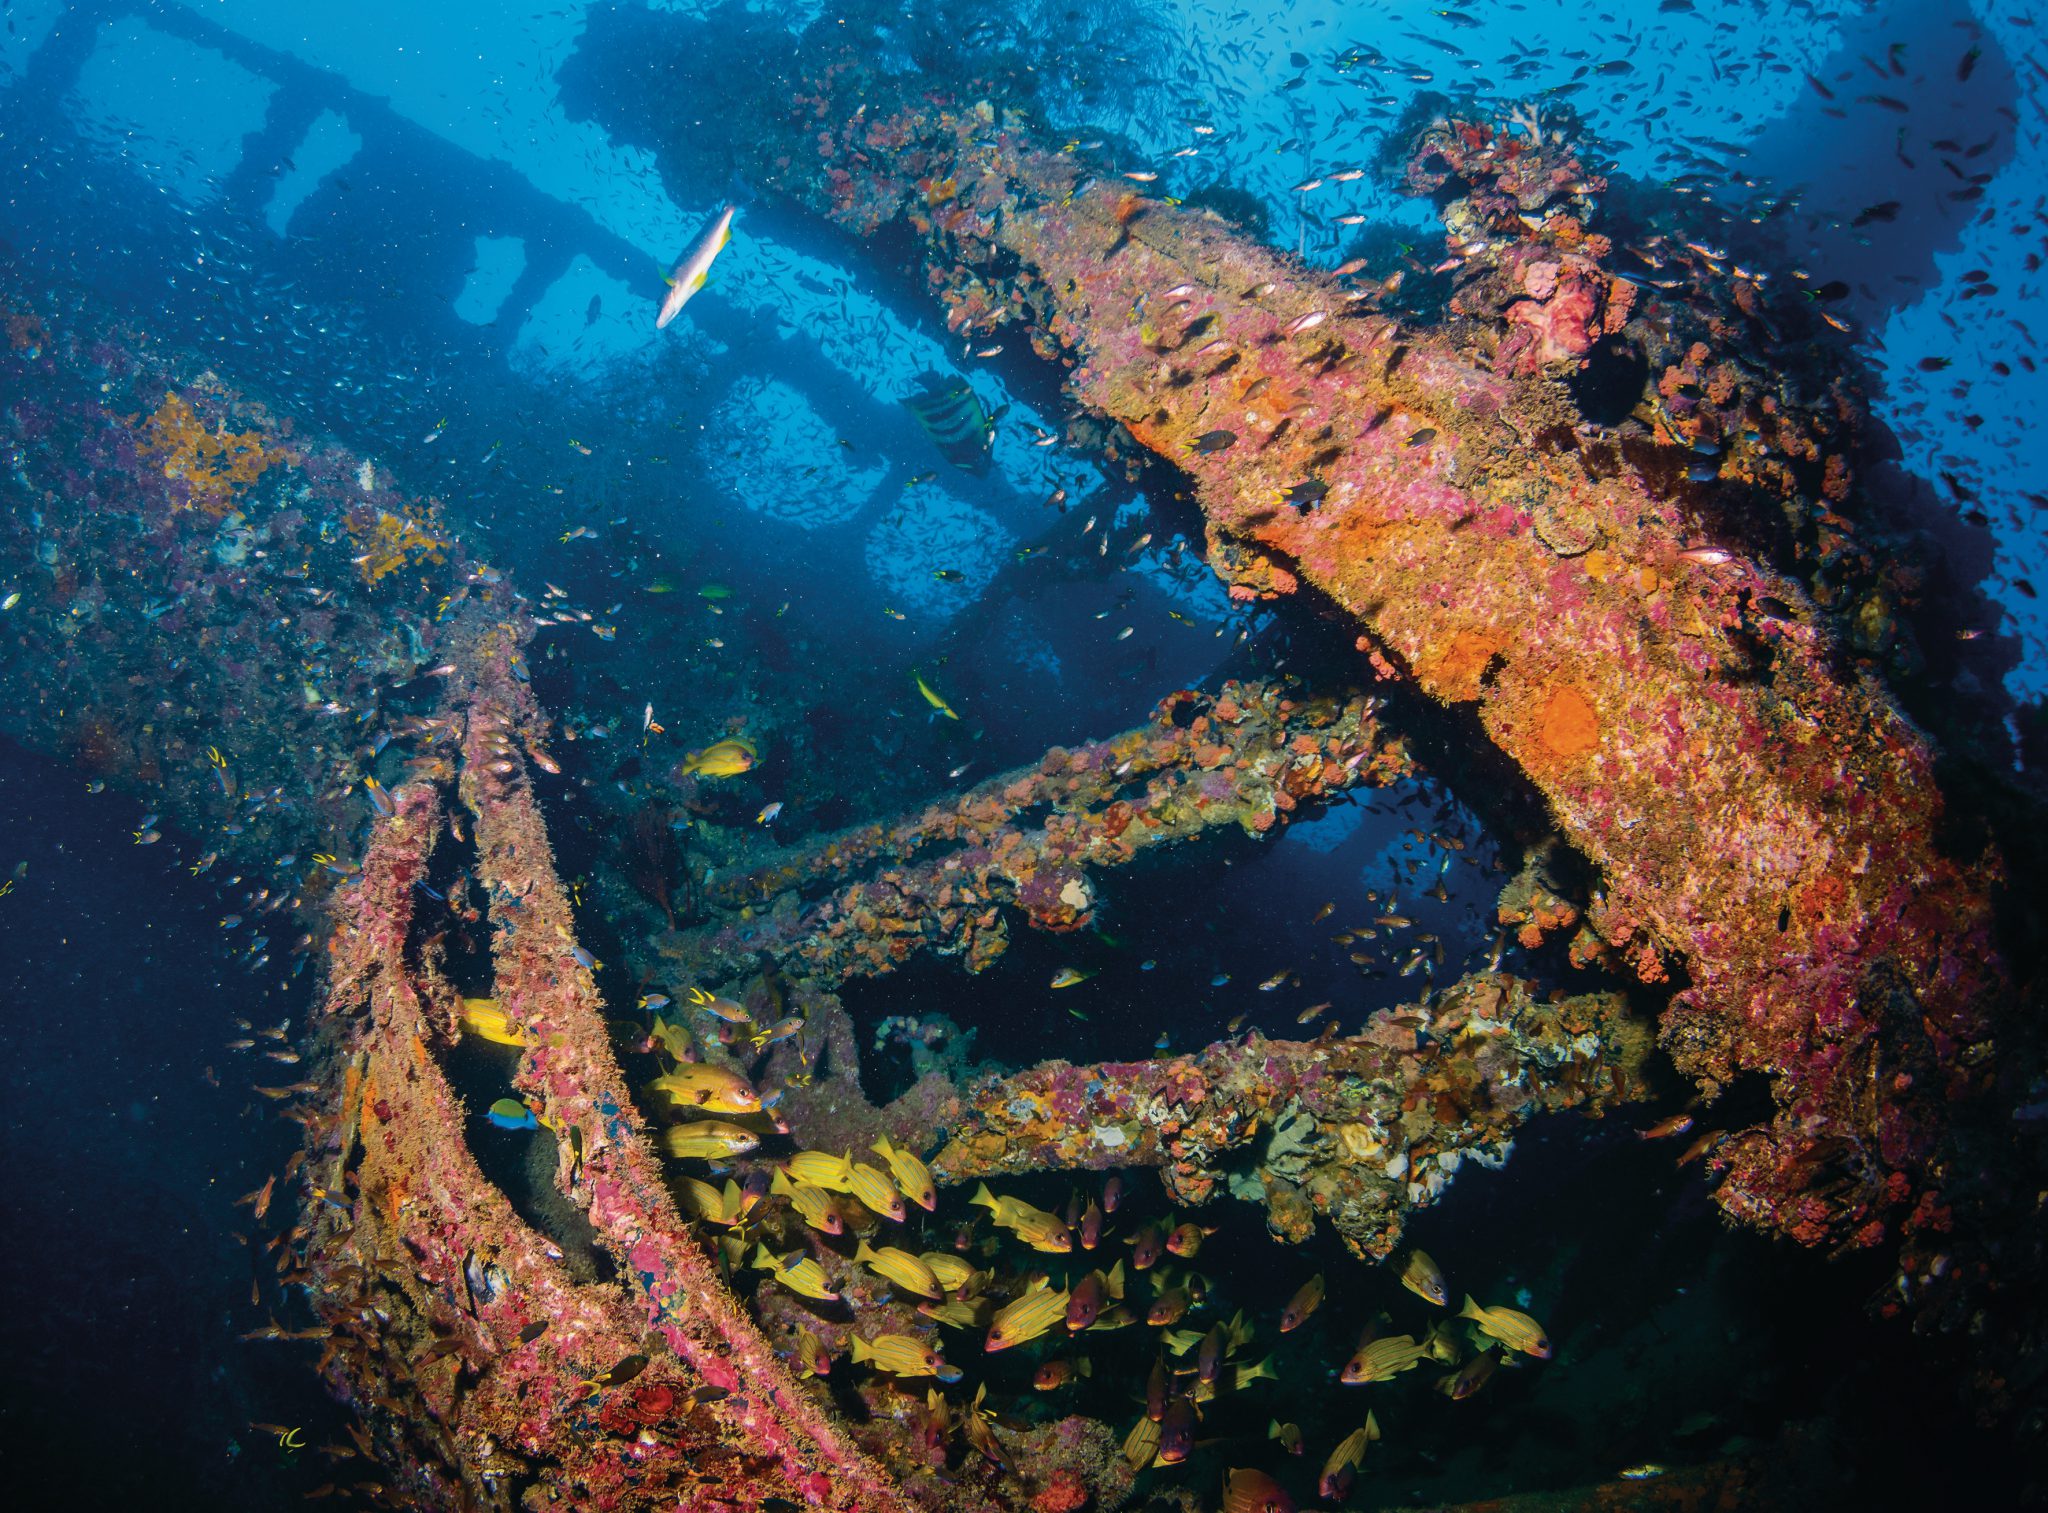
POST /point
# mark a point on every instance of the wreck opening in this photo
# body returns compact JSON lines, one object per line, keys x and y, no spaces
{"x":1610,"y":381}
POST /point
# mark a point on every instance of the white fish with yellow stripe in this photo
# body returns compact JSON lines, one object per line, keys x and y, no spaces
{"x":695,"y":267}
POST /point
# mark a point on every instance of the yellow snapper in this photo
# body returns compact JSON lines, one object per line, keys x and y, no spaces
{"x":1034,"y":1226}
{"x":898,"y":1354}
{"x":961,"y":1313}
{"x":976,"y":1427}
{"x":1170,"y":1307}
{"x":708,"y":1140}
{"x":955,"y":1273}
{"x":876,"y":1191}
{"x":1338,"y":1470}
{"x":1470,"y":1377}
{"x":1425,"y":1279}
{"x":1141,"y":1444}
{"x":1442,"y":1343}
{"x":814,"y":1205}
{"x":714,"y":1088}
{"x":901,"y":1268}
{"x":1307,"y":1298}
{"x":796,"y":1271}
{"x":812,"y":1355}
{"x":1515,"y":1330}
{"x":1250,"y":1490}
{"x":672,"y":1038}
{"x":1054,"y":1374}
{"x":1377,"y":1360}
{"x":706,"y":1201}
{"x":821,"y":1169}
{"x":1243,"y":1374}
{"x":911,"y":1174}
{"x":1027,"y":1318}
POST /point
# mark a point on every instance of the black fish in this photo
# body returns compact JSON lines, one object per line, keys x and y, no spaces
{"x":622,"y":1373}
{"x":1213,"y":441}
{"x":952,"y":416}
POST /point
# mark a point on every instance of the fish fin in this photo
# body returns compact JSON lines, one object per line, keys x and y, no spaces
{"x":1114,"y":1279}
{"x":983,"y":1196}
{"x":780,"y":1185}
{"x":862,"y":1350}
{"x":864,"y":1252}
{"x":1471,"y":1309}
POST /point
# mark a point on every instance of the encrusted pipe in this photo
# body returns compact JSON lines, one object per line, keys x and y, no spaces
{"x":1357,"y":1128}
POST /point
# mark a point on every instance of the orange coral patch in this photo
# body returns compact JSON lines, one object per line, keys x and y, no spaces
{"x":388,"y":542}
{"x":1153,"y":438}
{"x":216,"y":465}
{"x":1456,"y":671}
{"x":1567,"y":724}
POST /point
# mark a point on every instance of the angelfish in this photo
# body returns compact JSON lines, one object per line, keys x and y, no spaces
{"x":695,"y":267}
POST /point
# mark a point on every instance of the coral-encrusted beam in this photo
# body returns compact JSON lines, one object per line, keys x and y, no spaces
{"x":1777,"y":833}
{"x":606,"y":1166}
{"x":1357,"y":1128}
{"x":1027,"y":840}
{"x":454,"y":1328}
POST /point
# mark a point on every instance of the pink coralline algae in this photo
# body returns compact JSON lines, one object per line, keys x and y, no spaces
{"x":1555,"y":323}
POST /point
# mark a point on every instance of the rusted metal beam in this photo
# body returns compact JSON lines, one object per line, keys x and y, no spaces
{"x":1027,"y":842}
{"x":1765,"y":823}
{"x":1356,"y":1128}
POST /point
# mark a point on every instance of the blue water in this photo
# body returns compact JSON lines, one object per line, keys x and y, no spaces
{"x":435,"y":232}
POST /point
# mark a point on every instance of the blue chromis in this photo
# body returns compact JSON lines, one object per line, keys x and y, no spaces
{"x":510,"y":1113}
